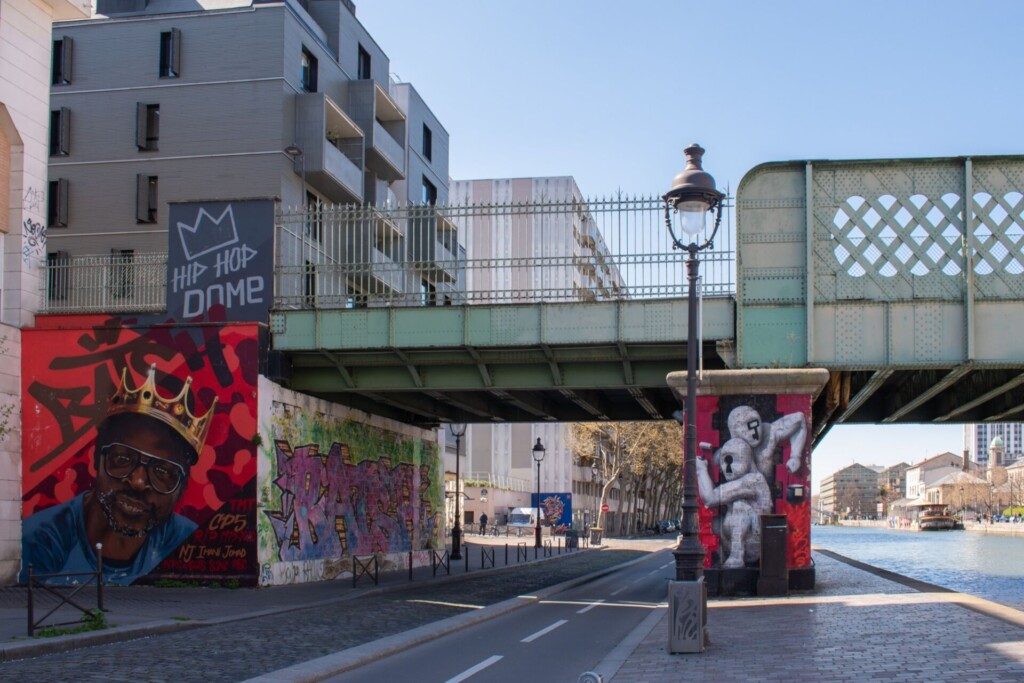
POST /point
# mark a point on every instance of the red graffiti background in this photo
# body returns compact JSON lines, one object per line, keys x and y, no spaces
{"x":712,"y":412}
{"x":72,"y":365}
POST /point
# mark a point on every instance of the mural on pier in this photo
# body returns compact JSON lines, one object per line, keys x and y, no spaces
{"x":555,"y":510}
{"x":757,"y":461}
{"x":139,"y":438}
{"x":333,"y":487}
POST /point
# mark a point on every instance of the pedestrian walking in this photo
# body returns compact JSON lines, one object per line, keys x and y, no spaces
{"x":483,"y":524}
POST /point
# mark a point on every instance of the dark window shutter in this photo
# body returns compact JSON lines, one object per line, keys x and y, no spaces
{"x":176,"y":51}
{"x":142,"y":198}
{"x":64,"y":141}
{"x":62,"y":202}
{"x":66,"y":51}
{"x":140,"y":125}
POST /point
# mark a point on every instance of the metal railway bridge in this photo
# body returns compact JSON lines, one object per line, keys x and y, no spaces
{"x":904,"y":278}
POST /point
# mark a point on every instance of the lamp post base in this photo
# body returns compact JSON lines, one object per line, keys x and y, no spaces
{"x":536,"y":539}
{"x":456,"y":543}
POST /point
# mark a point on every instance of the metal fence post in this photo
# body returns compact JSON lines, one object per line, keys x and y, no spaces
{"x":410,"y":565}
{"x":99,"y":577}
{"x":31,"y":611}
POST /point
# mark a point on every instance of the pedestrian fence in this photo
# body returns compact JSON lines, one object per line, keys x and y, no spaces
{"x":365,"y":567}
{"x":49,"y":585}
{"x":521,"y":552}
{"x":548,"y":551}
{"x":486,"y":557}
{"x":439,"y":560}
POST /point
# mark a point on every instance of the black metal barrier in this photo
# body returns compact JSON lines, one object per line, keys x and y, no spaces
{"x":38,"y":582}
{"x":486,"y":558}
{"x":572,"y":540}
{"x":440,"y":559}
{"x":547,"y":548}
{"x":521,"y":552}
{"x":367,"y":567}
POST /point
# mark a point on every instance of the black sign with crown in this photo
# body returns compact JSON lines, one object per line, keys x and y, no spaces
{"x":220,"y":260}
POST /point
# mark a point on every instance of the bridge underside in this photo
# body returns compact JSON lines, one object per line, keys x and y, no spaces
{"x":504,"y":363}
{"x":964,"y":393}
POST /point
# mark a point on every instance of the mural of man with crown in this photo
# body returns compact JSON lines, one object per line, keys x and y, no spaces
{"x":143,"y":454}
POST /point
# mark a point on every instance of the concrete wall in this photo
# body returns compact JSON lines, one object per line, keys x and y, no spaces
{"x":335,"y":482}
{"x":10,"y":453}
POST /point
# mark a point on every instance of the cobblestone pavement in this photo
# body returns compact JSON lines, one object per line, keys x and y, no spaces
{"x":238,"y":650}
{"x":855,"y":627}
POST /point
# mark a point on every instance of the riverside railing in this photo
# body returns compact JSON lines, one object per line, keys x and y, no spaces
{"x":355,"y":256}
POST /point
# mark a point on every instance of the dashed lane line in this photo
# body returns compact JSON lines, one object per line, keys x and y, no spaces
{"x":619,"y":590}
{"x":589,"y":607}
{"x":544,"y":631}
{"x":475,"y":669}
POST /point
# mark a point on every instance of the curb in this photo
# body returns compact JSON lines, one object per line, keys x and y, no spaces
{"x":613,"y":661}
{"x":35,"y":648}
{"x":354,"y":657}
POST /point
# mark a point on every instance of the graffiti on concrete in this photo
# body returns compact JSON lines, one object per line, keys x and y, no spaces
{"x":34,"y":234}
{"x":331,"y":506}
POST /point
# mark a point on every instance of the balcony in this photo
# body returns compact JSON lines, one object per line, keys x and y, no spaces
{"x":332,"y":145}
{"x":384,"y":123}
{"x":434,"y":244}
{"x":374,"y":251}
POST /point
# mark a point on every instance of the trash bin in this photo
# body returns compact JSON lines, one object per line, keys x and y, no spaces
{"x":595,"y":536}
{"x":773,"y":578}
{"x":572,"y":539}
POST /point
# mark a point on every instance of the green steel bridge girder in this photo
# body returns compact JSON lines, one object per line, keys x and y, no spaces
{"x":574,"y":360}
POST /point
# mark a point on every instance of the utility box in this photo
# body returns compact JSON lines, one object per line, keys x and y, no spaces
{"x":774,"y":576}
{"x":688,"y":619}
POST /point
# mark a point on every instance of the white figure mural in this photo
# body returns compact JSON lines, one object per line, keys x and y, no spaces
{"x":745,"y":423}
{"x":745,"y":494}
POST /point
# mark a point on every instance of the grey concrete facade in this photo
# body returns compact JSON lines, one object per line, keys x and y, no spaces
{"x":238,"y":101}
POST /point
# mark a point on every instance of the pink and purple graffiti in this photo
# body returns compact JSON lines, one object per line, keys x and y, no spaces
{"x":331,"y":507}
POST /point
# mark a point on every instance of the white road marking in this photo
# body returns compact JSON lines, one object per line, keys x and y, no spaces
{"x":543,"y":631}
{"x":589,"y":607}
{"x":667,"y":565}
{"x":654,"y":571}
{"x":474,"y":669}
{"x":616,"y":592}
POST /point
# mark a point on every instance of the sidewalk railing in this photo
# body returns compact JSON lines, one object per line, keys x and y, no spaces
{"x":65,"y":594}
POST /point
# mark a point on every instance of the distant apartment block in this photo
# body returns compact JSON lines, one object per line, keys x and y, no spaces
{"x":576,"y":266}
{"x":851,"y":491}
{"x":227,"y":100}
{"x":978,"y":437}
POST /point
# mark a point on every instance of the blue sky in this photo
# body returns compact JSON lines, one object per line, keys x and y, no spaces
{"x":610,"y":92}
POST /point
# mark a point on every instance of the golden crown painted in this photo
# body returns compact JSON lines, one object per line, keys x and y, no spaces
{"x":173,"y":412}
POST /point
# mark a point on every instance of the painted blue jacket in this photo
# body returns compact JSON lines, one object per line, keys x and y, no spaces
{"x":54,"y":541}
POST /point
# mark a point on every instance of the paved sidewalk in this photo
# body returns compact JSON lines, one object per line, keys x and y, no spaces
{"x":857,"y":626}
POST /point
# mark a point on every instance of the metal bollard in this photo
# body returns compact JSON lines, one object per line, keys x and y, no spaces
{"x":466,"y":555}
{"x":559,"y":545}
{"x":31,"y":614}
{"x":506,"y":554}
{"x":535,"y":552}
{"x":410,"y":565}
{"x":99,"y":577}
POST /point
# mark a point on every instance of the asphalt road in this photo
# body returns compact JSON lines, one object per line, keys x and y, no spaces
{"x":554,"y":640}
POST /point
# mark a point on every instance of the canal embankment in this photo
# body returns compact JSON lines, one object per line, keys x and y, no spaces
{"x":995,"y":529}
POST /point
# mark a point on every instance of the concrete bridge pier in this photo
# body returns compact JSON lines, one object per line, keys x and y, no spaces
{"x":754,"y":430}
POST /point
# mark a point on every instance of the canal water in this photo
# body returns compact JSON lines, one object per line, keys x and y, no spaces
{"x":985,"y":565}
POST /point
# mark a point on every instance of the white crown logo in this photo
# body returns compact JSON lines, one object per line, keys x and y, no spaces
{"x":207,"y":234}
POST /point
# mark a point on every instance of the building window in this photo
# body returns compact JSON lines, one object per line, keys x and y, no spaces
{"x":309,"y":285}
{"x":314,"y":221}
{"x":170,"y":53}
{"x":57,"y":270}
{"x":57,"y":204}
{"x":60,"y":132}
{"x":147,"y":126}
{"x":122,"y":272}
{"x":428,"y":293}
{"x":145,"y":198}
{"x":428,"y":143}
{"x":364,"y":64}
{"x":429,"y":196}
{"x":61,"y":70}
{"x":309,"y":69}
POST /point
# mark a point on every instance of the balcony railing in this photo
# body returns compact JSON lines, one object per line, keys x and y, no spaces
{"x":105,"y":283}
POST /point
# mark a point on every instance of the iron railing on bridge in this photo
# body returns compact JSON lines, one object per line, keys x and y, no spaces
{"x":355,"y":256}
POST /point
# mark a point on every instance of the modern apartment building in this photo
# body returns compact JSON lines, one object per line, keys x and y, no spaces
{"x":894,"y":479}
{"x":851,"y":491}
{"x":226,"y":99}
{"x":503,"y":263}
{"x":978,"y":437}
{"x":26,"y":72}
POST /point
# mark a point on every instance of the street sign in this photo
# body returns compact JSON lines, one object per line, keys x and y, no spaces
{"x":605,"y":508}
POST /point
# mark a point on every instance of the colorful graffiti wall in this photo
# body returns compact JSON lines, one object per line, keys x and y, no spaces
{"x":334,"y":483}
{"x":756,"y":460}
{"x":555,"y":509}
{"x":142,"y":439}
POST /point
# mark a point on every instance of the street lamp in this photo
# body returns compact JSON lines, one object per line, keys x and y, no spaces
{"x":458,"y":431}
{"x":693,"y":196}
{"x":538,"y":455}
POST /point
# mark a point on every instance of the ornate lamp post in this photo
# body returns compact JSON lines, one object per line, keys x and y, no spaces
{"x":458,"y":431}
{"x":538,"y":456}
{"x":693,"y":196}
